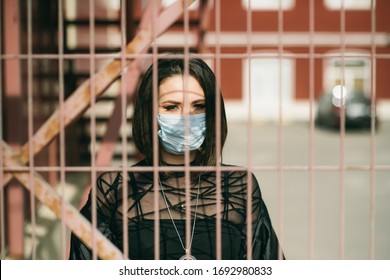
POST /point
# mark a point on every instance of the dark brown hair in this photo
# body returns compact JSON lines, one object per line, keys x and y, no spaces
{"x":143,"y":107}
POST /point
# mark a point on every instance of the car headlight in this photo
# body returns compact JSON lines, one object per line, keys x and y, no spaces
{"x":339,"y":93}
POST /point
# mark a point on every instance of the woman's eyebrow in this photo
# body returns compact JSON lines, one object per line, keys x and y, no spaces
{"x":199,"y":100}
{"x":171,"y":102}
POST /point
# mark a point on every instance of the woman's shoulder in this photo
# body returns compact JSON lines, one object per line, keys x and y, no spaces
{"x":116,"y":177}
{"x":109,"y":176}
{"x":238,"y":173}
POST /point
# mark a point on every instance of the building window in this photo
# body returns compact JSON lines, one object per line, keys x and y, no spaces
{"x":265,"y":84}
{"x":268,"y":4}
{"x":354,"y":70}
{"x":166,"y":3}
{"x":348,"y":4}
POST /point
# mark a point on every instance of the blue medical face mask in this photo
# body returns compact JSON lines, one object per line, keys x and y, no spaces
{"x":172,"y":132}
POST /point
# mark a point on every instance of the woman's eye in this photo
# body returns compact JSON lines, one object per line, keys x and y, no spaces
{"x":170,"y":107}
{"x":199,"y":106}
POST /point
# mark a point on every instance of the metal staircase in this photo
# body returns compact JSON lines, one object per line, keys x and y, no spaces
{"x":107,"y":27}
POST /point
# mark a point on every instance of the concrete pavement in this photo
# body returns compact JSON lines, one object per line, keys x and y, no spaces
{"x":340,"y":204}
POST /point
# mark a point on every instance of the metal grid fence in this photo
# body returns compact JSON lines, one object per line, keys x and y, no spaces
{"x":20,"y":162}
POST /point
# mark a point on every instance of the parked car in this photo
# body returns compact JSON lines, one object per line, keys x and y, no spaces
{"x":357,"y":109}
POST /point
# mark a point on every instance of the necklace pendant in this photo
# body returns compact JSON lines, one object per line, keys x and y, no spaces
{"x":188,"y":258}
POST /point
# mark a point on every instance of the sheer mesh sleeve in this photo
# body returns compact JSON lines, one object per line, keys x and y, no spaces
{"x":106,"y":193}
{"x":265,"y":244}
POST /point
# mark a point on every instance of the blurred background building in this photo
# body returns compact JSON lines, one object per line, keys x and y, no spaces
{"x":327,"y":190}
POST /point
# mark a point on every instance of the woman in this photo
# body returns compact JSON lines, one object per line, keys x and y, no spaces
{"x":186,"y":106}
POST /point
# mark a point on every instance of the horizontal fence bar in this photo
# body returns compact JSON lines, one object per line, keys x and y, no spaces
{"x":226,"y":55}
{"x":379,"y":167}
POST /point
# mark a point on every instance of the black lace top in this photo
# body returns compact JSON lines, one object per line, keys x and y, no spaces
{"x":140,"y":215}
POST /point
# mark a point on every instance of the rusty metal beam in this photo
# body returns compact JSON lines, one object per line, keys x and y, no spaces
{"x":48,"y":196}
{"x":107,"y":147}
{"x":80,"y":100}
{"x":74,"y":106}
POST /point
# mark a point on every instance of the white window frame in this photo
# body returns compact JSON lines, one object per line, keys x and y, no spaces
{"x":270,"y":5}
{"x":348,"y":4}
{"x":167,"y":3}
{"x":265,"y":102}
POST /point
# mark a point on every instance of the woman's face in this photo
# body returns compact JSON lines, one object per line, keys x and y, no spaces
{"x":180,"y":97}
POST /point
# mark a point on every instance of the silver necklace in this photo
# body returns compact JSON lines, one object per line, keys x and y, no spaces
{"x":187,"y":255}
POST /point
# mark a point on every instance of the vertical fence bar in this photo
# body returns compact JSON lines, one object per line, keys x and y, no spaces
{"x":311,"y":129}
{"x":280,"y":130}
{"x":342,"y":137}
{"x":373,"y":131}
{"x":2,"y":198}
{"x":218,"y":129}
{"x":156,"y":160}
{"x":93,"y":123}
{"x":15,"y":194}
{"x":249,"y":151}
{"x":30,"y":119}
{"x":61,"y":98}
{"x":186,"y":113}
{"x":124,"y":131}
